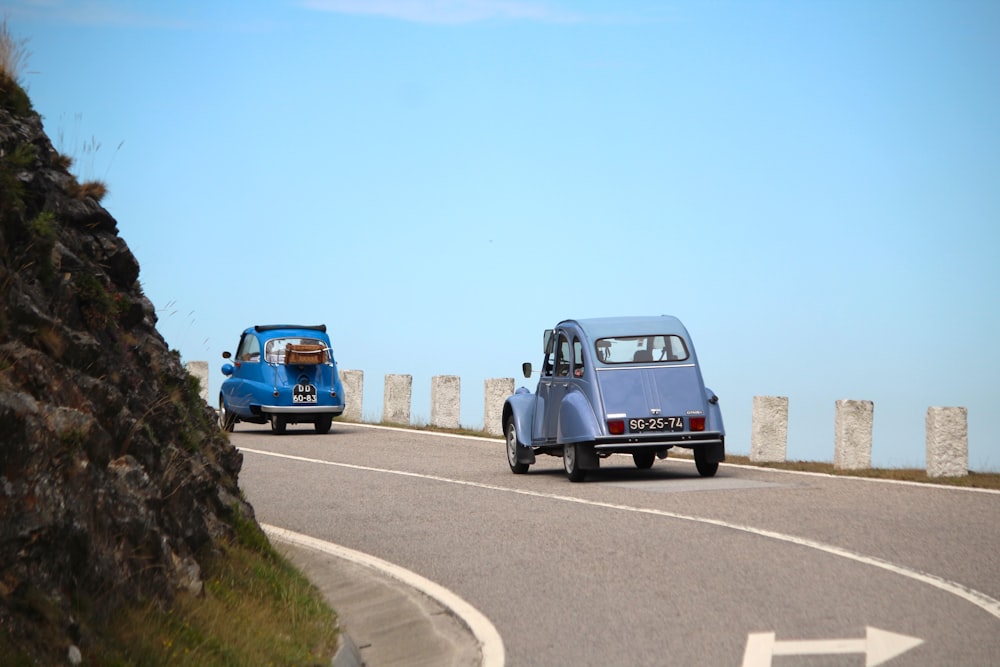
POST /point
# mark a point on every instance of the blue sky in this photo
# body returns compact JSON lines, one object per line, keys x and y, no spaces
{"x":812,"y":187}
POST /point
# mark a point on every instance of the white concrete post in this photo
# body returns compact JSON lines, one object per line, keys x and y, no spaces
{"x":769,"y":431}
{"x":354,"y":390}
{"x":396,"y":405}
{"x":852,"y":428}
{"x":496,"y":391}
{"x":947,"y":442}
{"x":446,"y":401}
{"x":199,"y":369}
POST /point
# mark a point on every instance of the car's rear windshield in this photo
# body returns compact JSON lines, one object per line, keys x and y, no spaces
{"x":274,"y":349}
{"x":659,"y":348}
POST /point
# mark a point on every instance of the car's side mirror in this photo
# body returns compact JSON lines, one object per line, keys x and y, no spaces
{"x":526,"y":369}
{"x":227,"y":369}
{"x":226,"y":355}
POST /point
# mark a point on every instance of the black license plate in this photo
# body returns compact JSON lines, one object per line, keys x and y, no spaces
{"x":304,"y":393}
{"x":646,"y":424}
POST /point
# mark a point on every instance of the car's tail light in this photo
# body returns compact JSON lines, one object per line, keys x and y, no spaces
{"x":697,"y":423}
{"x":616,"y":426}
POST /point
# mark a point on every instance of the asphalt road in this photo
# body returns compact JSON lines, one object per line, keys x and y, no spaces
{"x":655,"y":567}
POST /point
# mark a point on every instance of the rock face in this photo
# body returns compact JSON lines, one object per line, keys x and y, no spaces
{"x":115,"y":483}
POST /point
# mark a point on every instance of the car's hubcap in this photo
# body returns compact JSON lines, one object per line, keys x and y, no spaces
{"x":511,"y":446}
{"x":569,"y":457}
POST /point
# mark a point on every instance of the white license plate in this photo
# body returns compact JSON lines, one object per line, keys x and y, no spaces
{"x":645,"y":424}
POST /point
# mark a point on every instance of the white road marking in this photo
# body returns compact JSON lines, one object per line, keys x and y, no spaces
{"x":981,"y":600}
{"x":688,"y":459}
{"x":490,"y":643}
{"x":878,"y":647}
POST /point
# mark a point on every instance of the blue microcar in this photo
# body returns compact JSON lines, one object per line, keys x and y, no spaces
{"x":615,"y":385}
{"x":282,"y":374}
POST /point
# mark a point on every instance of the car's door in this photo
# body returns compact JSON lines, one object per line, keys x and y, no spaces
{"x":246,"y":370}
{"x":538,"y":435}
{"x":559,"y":384}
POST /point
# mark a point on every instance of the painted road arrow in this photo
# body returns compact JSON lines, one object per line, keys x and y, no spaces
{"x":878,"y":647}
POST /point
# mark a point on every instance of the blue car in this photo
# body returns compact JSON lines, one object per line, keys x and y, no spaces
{"x":615,"y":385}
{"x":282,"y":374}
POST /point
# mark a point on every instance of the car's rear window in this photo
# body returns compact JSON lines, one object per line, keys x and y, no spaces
{"x":660,"y":348}
{"x":274,"y":349}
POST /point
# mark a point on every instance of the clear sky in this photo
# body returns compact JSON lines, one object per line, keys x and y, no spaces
{"x":812,"y":187}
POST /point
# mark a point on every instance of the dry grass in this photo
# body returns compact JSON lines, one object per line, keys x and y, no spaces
{"x":256,"y":610}
{"x":13,"y":53}
{"x":980,"y":480}
{"x":96,"y":190}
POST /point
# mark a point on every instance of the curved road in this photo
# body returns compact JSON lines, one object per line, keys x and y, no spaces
{"x":657,"y":567}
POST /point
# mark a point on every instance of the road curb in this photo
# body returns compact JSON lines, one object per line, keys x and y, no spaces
{"x":488,"y":643}
{"x":347,"y":653}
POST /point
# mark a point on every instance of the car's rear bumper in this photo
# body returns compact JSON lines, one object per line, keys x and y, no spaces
{"x":334,"y":410}
{"x":634,"y":441}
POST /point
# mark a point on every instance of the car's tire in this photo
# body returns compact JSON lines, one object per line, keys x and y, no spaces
{"x":227,"y":420}
{"x":323,"y":424}
{"x":705,"y":467}
{"x":278,"y":424}
{"x":516,"y":466}
{"x":644,"y":458}
{"x":571,"y":463}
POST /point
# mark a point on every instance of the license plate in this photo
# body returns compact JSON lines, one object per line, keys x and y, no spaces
{"x":304,"y":393}
{"x":642,"y":425}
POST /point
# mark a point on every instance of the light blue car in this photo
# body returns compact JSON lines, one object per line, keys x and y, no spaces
{"x":615,"y":385}
{"x":282,"y":374}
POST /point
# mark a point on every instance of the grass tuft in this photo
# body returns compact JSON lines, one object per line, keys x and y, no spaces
{"x":96,"y":190}
{"x":256,"y":609}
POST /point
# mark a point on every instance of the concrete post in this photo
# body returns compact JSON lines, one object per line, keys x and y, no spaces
{"x":354,"y":390}
{"x":496,"y":391}
{"x":199,"y":369}
{"x":947,"y":442}
{"x":852,"y":428}
{"x":396,"y":404}
{"x":446,"y":401}
{"x":769,"y":431}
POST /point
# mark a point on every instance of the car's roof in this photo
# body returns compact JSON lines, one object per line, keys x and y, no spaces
{"x":286,"y":329}
{"x":603,"y":327}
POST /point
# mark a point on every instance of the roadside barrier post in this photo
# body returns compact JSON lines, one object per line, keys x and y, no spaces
{"x":199,"y":369}
{"x":396,"y":403}
{"x":769,"y":432}
{"x":446,"y":401}
{"x":496,"y":391}
{"x":852,"y":427}
{"x":947,"y":442}
{"x":354,"y":389}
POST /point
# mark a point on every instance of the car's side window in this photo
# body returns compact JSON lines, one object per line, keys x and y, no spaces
{"x":563,"y":356}
{"x":548,"y":366}
{"x":249,"y":349}
{"x":577,"y":358}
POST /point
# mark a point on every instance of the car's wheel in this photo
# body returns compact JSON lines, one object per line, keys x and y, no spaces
{"x":705,"y":467}
{"x":227,"y":420}
{"x":571,"y":463}
{"x":644,"y":459}
{"x":323,"y":424}
{"x":278,"y":424}
{"x":516,"y":467}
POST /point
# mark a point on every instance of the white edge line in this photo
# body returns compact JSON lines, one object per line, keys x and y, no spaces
{"x":688,"y":459}
{"x":981,"y":600}
{"x":490,"y":644}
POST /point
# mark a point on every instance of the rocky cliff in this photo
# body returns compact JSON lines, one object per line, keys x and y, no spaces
{"x":115,"y":483}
